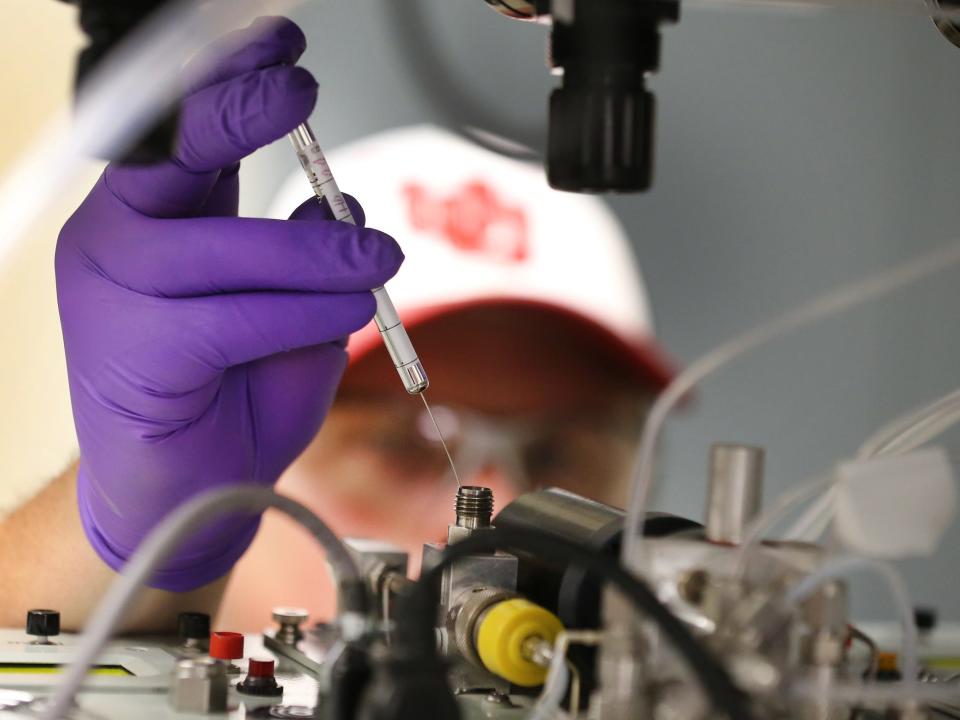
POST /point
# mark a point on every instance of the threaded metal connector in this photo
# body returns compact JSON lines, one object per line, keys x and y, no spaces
{"x":474,"y":507}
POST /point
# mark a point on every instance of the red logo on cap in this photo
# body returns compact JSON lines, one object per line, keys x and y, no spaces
{"x":472,"y":219}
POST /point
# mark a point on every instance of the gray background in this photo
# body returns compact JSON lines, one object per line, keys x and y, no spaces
{"x":795,"y":151}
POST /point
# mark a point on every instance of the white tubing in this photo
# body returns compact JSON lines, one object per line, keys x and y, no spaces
{"x":786,"y":503}
{"x":887,"y":438}
{"x":828,"y":305}
{"x":842,"y":565}
{"x":158,"y":545}
{"x":809,"y":526}
{"x":555,"y":687}
{"x":903,"y":434}
{"x":130,"y":89}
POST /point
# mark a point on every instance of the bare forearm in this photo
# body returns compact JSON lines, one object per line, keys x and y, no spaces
{"x":46,"y":561}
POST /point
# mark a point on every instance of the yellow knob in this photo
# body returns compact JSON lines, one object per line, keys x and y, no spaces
{"x":504,"y":629}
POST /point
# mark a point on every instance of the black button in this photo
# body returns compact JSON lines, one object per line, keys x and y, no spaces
{"x":45,"y":623}
{"x":925,"y":618}
{"x":193,"y":626}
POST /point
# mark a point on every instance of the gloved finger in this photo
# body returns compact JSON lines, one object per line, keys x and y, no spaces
{"x":236,"y":329}
{"x":222,"y":124}
{"x":288,"y":413}
{"x":266,"y":41}
{"x":211,"y":256}
{"x":223,"y":200}
{"x":219,"y":126}
{"x":314,"y":209}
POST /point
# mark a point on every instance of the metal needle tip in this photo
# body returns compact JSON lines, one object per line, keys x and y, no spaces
{"x":456,"y":475}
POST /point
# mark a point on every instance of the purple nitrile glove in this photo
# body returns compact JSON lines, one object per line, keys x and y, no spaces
{"x":204,"y":349}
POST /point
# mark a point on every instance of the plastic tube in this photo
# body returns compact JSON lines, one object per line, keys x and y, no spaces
{"x":828,"y":305}
{"x":904,"y":434}
{"x":162,"y":541}
{"x":784,"y":504}
{"x":139,"y":80}
{"x":814,"y":521}
{"x":554,"y":689}
{"x":842,"y":565}
{"x":560,"y":674}
{"x":915,"y":428}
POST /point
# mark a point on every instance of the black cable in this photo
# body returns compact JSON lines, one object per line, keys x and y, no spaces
{"x":416,"y":631}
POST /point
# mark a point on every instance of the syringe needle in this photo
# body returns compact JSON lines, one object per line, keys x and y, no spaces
{"x":456,"y":475}
{"x":394,"y":335}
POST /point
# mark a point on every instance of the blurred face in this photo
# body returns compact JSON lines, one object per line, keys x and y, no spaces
{"x":524,"y":398}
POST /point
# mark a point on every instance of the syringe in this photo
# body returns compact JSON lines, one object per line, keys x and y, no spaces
{"x":394,"y":335}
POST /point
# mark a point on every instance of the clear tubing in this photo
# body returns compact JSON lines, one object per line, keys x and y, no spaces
{"x":913,"y":429}
{"x":559,"y":676}
{"x":840,"y":566}
{"x":767,"y":520}
{"x":161,"y":542}
{"x":394,"y":335}
{"x":554,"y":689}
{"x":828,"y":305}
{"x":903,"y":434}
{"x":815,"y":520}
{"x":118,"y":104}
{"x":924,"y":432}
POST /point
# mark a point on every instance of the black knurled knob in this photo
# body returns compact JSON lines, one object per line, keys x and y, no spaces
{"x":43,"y":623}
{"x":193,"y":626}
{"x":601,"y":138}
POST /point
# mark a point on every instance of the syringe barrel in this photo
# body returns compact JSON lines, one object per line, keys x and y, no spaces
{"x":398,"y":344}
{"x":394,"y":335}
{"x":315,"y":165}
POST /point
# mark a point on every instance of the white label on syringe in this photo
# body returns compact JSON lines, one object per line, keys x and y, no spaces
{"x":321,"y":179}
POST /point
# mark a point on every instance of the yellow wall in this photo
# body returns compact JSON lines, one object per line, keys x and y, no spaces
{"x":38,"y":43}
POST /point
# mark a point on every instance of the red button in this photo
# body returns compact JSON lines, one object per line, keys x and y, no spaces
{"x":226,"y":645}
{"x":260,"y":668}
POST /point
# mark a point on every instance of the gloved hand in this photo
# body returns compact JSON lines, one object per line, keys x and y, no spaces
{"x":204,"y":349}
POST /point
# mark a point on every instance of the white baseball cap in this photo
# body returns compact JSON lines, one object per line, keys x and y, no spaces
{"x":478,"y":228}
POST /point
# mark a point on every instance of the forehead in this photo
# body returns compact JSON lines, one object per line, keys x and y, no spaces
{"x":507,"y":360}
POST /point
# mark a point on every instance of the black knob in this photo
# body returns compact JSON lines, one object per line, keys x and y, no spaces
{"x":602,"y":116}
{"x":43,"y":623}
{"x":193,"y":626}
{"x":925,"y":618}
{"x":601,"y":137}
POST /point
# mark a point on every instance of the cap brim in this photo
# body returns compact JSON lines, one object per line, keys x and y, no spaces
{"x":641,"y":354}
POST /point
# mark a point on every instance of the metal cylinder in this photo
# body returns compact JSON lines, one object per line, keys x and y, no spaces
{"x":199,"y":686}
{"x":474,"y":507}
{"x":735,"y":491}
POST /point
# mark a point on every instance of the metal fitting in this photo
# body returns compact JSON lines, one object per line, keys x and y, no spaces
{"x":735,"y":491}
{"x":474,"y":507}
{"x":199,"y":686}
{"x":289,"y":619}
